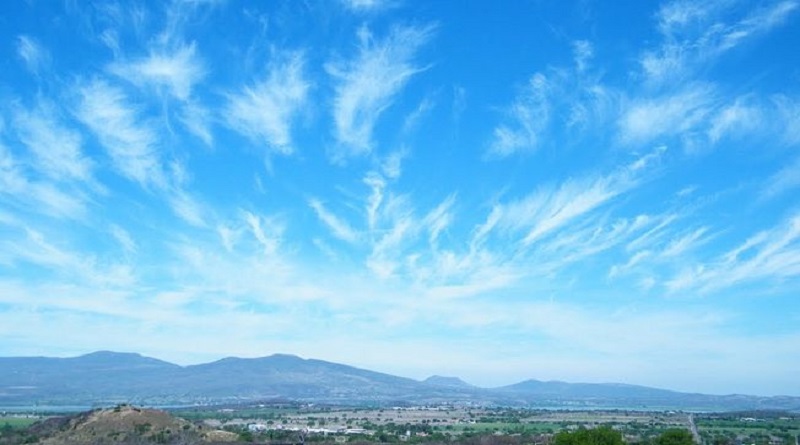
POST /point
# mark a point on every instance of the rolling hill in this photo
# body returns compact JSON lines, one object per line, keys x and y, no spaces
{"x":107,"y":378}
{"x":125,"y":424}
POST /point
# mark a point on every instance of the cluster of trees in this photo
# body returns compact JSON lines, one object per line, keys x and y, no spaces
{"x":605,"y":435}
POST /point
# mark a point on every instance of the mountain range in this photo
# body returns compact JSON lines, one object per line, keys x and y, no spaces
{"x":105,"y":378}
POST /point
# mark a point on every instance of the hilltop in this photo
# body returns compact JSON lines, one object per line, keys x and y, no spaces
{"x":123,"y":424}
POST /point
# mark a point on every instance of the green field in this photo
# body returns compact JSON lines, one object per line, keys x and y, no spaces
{"x":532,"y":427}
{"x":17,"y":422}
{"x":767,"y":430}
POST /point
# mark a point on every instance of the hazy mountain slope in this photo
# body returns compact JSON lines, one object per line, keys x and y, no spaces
{"x":108,"y":378}
{"x":294,"y":377}
{"x":103,"y":375}
{"x":586,"y":390}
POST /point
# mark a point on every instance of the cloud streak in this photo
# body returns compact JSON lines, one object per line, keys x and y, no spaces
{"x":264,"y":112}
{"x":367,"y":84}
{"x":131,"y":144}
{"x":35,"y":57}
{"x":772,"y":255}
{"x":177,"y":72}
{"x":57,"y":149}
{"x":530,"y":115}
{"x":339,"y":228}
{"x":697,"y":33}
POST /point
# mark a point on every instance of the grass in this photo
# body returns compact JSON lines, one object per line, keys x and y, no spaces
{"x":265,"y":413}
{"x":17,"y":422}
{"x":750,"y":430}
{"x":532,"y":427}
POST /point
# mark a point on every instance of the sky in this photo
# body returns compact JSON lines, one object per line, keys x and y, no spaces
{"x":581,"y":191}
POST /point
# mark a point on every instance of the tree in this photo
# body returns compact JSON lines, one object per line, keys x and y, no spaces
{"x":603,"y":435}
{"x":246,"y":436}
{"x":675,"y":436}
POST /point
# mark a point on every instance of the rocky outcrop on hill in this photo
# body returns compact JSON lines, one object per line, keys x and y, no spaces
{"x":125,"y":424}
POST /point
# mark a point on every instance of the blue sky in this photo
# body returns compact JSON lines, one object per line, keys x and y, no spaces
{"x":582,"y":191}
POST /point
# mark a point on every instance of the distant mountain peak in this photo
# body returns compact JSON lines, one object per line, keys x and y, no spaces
{"x":285,"y":356}
{"x":111,"y":358}
{"x":452,"y":382}
{"x":109,"y":354}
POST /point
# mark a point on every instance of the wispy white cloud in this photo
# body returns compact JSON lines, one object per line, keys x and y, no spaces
{"x":676,"y":16}
{"x":529,"y":116}
{"x":200,"y":2}
{"x":176,"y":71}
{"x":439,"y":219}
{"x":35,"y":56}
{"x":686,"y":191}
{"x":367,"y":84}
{"x":391,"y":165}
{"x":387,"y":250}
{"x":697,"y":33}
{"x":405,"y":242}
{"x":770,"y":255}
{"x":187,"y":207}
{"x":376,"y":184}
{"x":704,"y":120}
{"x":180,"y":15}
{"x":366,"y":5}
{"x":760,"y":20}
{"x":339,"y":228}
{"x":37,"y":196}
{"x":130,"y":143}
{"x":392,"y":227}
{"x":788,"y":116}
{"x":736,"y":119}
{"x":559,"y":107}
{"x":675,"y":114}
{"x":786,"y":179}
{"x":265,"y":111}
{"x":124,"y":239}
{"x":451,"y":277}
{"x":634,"y":260}
{"x":245,"y":263}
{"x":584,"y":52}
{"x":110,"y":38}
{"x":592,"y":235}
{"x":658,"y":228}
{"x":197,"y":120}
{"x":228,"y":236}
{"x":56,"y":148}
{"x":699,"y":117}
{"x":679,"y":246}
{"x":267,"y":231}
{"x":66,"y":263}
{"x":551,"y":208}
{"x":412,"y":120}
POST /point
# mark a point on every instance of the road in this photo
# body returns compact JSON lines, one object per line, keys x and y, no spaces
{"x":693,"y":429}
